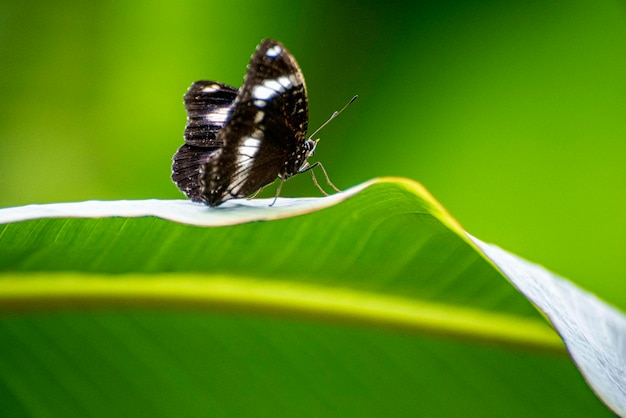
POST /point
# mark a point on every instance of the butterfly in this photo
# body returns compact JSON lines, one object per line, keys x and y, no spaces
{"x":239,"y":140}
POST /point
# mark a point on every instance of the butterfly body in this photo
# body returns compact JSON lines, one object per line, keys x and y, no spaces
{"x":238,"y":141}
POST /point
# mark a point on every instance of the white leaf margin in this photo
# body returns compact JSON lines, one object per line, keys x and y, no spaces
{"x":593,"y":331}
{"x":231,"y":212}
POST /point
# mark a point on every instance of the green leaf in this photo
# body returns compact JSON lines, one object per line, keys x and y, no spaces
{"x":369,"y":302}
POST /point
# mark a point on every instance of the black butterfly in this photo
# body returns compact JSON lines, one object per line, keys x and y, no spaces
{"x":237,"y":141}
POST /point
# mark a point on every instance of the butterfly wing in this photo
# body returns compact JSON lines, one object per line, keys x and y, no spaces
{"x":208,"y":106}
{"x":265,"y":136}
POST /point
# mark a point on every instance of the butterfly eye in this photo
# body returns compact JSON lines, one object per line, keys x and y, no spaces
{"x":309,"y":147}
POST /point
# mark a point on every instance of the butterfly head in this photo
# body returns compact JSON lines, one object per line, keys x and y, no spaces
{"x":309,"y":151}
{"x":301,"y":163}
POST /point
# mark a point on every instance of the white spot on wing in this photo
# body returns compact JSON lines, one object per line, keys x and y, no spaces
{"x":274,"y":51}
{"x":263,"y":93}
{"x":211,"y":88}
{"x":219,"y":115}
{"x":250,"y":146}
{"x":246,"y":152}
{"x":285,"y":82}
{"x":274,"y":85}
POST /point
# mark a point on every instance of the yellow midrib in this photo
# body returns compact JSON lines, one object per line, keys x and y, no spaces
{"x":177,"y":291}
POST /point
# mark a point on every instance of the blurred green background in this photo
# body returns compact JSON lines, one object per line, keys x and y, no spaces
{"x":510,"y":112}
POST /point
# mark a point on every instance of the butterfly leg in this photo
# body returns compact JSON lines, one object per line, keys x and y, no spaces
{"x":310,"y":168}
{"x":326,"y":177}
{"x":255,"y":194}
{"x":280,"y":186}
{"x":316,"y":182}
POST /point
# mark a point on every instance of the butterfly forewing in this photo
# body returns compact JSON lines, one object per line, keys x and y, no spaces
{"x":208,"y":105}
{"x":265,"y":135}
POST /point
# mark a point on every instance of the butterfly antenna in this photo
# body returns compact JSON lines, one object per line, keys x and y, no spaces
{"x":333,"y":116}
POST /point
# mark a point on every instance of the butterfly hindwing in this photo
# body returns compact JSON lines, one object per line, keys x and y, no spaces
{"x":208,"y":105}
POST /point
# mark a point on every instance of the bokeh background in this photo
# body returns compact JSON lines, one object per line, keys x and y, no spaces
{"x":512,"y":113}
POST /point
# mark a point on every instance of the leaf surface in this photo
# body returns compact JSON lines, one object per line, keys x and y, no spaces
{"x":367,"y":302}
